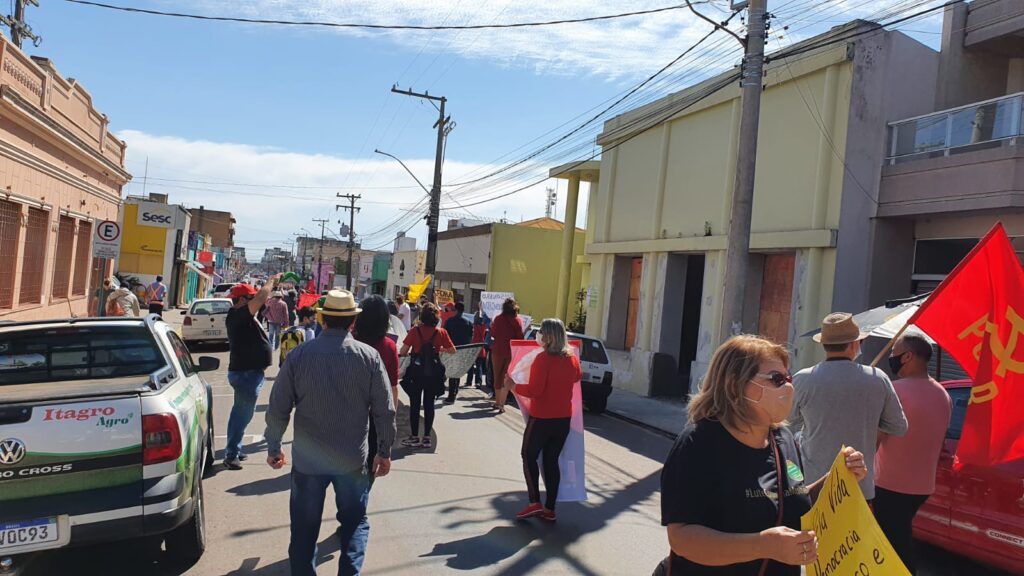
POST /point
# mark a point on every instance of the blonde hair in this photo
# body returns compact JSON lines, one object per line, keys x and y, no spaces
{"x":553,"y":336}
{"x":735,"y":362}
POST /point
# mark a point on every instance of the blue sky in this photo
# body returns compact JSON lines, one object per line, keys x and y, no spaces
{"x":216,"y":103}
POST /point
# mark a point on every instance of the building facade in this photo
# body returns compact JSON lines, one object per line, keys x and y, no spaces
{"x":520,"y":258}
{"x":408,"y":266}
{"x":659,"y":217}
{"x":61,"y":173}
{"x":154,"y":242}
{"x":218,"y":225}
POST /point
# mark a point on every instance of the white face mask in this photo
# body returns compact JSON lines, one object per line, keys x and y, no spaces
{"x":539,"y":338}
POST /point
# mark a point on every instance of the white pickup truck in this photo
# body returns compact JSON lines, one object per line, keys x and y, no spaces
{"x":105,"y":433}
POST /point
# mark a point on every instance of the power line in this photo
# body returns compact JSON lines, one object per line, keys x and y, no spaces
{"x":375,"y":26}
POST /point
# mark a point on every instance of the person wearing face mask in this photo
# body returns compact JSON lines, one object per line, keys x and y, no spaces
{"x":905,"y":466}
{"x":842,"y":403}
{"x":733,"y":487}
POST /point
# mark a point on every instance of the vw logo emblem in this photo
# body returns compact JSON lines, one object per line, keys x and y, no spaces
{"x":12,"y":451}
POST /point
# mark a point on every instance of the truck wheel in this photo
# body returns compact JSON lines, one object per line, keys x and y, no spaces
{"x":187,"y":542}
{"x":597,"y":404}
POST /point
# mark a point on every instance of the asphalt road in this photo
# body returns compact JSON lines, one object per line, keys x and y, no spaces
{"x":448,"y":510}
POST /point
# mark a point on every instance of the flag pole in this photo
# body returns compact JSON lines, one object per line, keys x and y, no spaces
{"x":892,"y":342}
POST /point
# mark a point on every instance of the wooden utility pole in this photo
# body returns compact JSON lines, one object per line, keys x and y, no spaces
{"x":320,"y":258}
{"x":19,"y":29}
{"x":737,"y":254}
{"x":444,"y":126}
{"x":351,"y":231}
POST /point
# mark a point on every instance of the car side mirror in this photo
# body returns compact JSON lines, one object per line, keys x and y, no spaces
{"x":183,"y":312}
{"x":208,"y":364}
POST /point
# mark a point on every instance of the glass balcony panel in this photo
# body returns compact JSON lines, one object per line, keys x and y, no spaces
{"x":992,"y":121}
{"x":921,"y":135}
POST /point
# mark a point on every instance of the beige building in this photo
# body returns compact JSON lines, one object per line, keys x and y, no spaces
{"x":658,"y":221}
{"x":408,"y":266}
{"x":61,"y":173}
{"x":218,"y":225}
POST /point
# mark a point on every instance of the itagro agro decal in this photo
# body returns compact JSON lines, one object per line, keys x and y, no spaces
{"x":105,"y":416}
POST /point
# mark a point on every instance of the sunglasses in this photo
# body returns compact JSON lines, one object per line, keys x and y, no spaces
{"x":778,"y":379}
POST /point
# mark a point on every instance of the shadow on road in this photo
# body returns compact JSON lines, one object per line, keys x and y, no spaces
{"x":263,"y":486}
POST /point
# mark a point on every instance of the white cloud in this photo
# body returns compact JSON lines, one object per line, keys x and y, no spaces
{"x":624,"y":48}
{"x":198,"y":173}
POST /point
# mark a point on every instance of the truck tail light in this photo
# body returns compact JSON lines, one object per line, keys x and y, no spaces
{"x":161,"y":439}
{"x":188,"y":321}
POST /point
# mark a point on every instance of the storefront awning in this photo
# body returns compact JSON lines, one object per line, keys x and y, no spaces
{"x":198,"y":269}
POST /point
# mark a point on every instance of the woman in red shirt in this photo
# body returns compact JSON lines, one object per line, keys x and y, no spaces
{"x":423,"y":334}
{"x":372,"y":329}
{"x":554,"y":373}
{"x":504,"y":329}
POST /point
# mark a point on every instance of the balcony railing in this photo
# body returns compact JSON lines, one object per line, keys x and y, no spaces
{"x":989,"y":124}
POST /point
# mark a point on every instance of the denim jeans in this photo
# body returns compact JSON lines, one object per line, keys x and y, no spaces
{"x":274,"y":331}
{"x":351,"y":492}
{"x":247,"y":384}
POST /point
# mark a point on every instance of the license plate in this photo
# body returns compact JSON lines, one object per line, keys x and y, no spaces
{"x":28,"y":533}
{"x":211,"y":332}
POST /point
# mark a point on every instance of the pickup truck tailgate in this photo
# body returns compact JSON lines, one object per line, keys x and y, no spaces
{"x":72,"y":462}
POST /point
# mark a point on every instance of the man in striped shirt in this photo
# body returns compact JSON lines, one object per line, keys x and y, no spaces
{"x":335,"y":384}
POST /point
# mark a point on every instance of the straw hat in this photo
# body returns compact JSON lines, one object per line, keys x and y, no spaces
{"x":339,"y":303}
{"x":839,"y":328}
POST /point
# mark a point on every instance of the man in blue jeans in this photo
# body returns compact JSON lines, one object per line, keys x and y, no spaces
{"x":335,"y":384}
{"x":250,"y":355}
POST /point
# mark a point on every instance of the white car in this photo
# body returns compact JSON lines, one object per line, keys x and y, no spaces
{"x":597,"y":370}
{"x":223,"y":290}
{"x":206,"y":321}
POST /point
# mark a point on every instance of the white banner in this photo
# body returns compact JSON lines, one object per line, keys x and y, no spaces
{"x":491,"y":302}
{"x":455,"y":365}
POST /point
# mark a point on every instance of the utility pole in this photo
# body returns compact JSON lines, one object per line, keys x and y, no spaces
{"x":444,"y":126}
{"x":320,"y":259}
{"x":737,"y":254}
{"x":19,"y":29}
{"x":351,"y":231}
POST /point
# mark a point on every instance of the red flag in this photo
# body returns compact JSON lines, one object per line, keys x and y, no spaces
{"x":310,"y":288}
{"x":977,"y":315}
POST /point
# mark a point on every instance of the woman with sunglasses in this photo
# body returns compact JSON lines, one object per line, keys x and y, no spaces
{"x":722,"y":479}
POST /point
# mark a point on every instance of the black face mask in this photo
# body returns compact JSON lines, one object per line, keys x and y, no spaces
{"x":896,"y":364}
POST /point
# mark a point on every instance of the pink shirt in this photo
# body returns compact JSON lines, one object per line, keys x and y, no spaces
{"x":907,"y":464}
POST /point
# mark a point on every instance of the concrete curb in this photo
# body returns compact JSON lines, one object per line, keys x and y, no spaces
{"x":641,"y":424}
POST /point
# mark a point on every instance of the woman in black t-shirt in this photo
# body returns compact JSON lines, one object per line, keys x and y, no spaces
{"x":721,"y":482}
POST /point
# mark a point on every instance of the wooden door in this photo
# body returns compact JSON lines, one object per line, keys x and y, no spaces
{"x":776,"y":297}
{"x":636,"y":270}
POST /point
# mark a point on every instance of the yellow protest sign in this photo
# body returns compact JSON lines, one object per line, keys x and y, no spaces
{"x":417,"y":290}
{"x":850,"y":541}
{"x":443,"y":297}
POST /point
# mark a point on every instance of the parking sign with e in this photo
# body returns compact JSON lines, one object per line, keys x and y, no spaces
{"x":107,"y":240}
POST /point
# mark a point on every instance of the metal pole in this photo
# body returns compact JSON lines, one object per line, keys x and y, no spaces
{"x":320,"y":257}
{"x":19,"y":19}
{"x":738,"y":251}
{"x":351,"y":232}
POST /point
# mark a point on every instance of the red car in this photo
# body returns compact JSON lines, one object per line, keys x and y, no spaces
{"x":977,"y":512}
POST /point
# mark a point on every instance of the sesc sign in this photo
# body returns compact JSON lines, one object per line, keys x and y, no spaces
{"x":157,"y":215}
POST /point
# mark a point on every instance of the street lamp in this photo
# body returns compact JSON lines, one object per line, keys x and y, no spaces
{"x":406,"y":169}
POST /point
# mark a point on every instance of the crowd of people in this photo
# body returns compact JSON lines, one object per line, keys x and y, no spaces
{"x":759,"y":444}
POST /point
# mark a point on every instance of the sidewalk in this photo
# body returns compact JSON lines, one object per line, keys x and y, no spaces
{"x":666,"y":416}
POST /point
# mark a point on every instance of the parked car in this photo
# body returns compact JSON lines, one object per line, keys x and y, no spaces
{"x":976,"y":511}
{"x":222,"y":290}
{"x":206,"y":321}
{"x":106,"y":431}
{"x":597,"y":370}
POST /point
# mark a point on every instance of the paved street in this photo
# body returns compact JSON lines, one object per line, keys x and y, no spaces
{"x":448,"y":510}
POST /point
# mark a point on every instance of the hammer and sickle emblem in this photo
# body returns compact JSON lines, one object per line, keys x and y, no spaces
{"x":1003,"y":352}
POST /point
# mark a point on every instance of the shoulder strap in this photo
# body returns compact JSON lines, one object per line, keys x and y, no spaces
{"x":779,"y":486}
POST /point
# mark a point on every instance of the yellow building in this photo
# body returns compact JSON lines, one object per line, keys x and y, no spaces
{"x":521,"y":258}
{"x":658,"y":220}
{"x":154,"y":242}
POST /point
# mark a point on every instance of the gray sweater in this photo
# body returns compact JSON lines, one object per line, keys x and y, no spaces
{"x":843,"y":403}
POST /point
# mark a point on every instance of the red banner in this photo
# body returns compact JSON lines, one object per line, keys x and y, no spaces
{"x":976,"y":316}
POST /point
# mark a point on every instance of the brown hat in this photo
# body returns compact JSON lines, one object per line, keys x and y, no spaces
{"x":839,"y":328}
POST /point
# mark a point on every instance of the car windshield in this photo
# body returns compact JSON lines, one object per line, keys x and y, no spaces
{"x":210,"y":307}
{"x":77,"y":353}
{"x":223,"y":287}
{"x":591,"y":351}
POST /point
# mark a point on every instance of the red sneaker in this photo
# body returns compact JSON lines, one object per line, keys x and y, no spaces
{"x":548,"y":516}
{"x":530,"y":511}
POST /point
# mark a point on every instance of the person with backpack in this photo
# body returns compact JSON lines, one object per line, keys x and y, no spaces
{"x":121,"y":301}
{"x":425,"y":377}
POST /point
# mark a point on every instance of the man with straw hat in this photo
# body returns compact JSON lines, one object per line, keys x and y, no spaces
{"x":840,"y":402}
{"x":335,"y":384}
